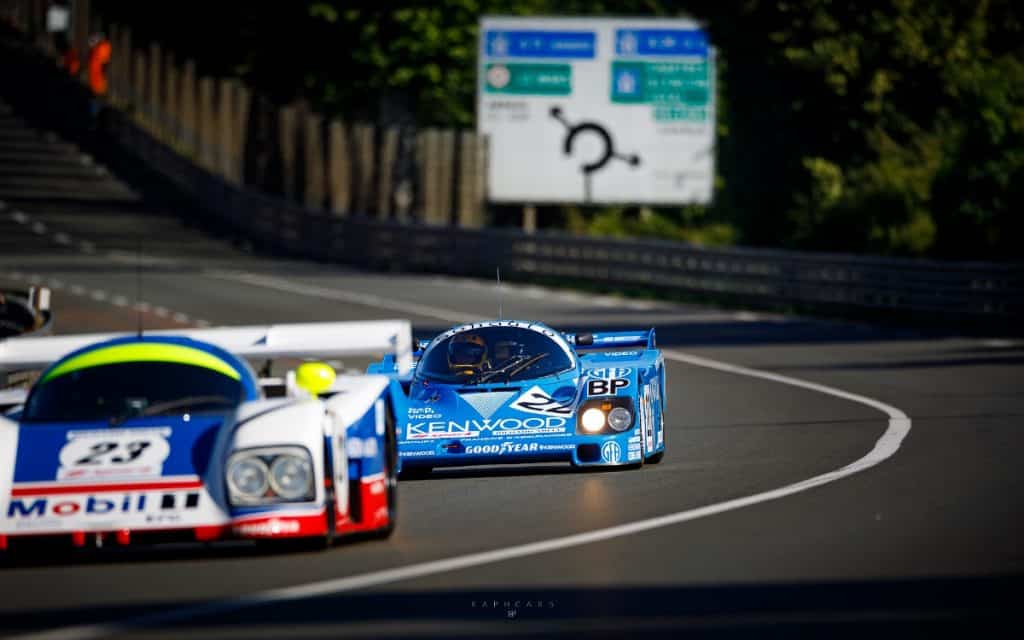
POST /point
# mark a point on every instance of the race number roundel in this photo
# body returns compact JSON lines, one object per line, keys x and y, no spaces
{"x":113,"y":453}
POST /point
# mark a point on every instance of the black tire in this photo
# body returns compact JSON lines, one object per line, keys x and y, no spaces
{"x":415,"y":472}
{"x":656,"y":458}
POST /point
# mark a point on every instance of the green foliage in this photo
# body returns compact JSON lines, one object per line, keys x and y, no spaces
{"x":894,"y":127}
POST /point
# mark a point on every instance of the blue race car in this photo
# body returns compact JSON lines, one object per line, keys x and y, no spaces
{"x":511,"y":392}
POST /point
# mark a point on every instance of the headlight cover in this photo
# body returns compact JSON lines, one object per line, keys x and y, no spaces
{"x":291,"y":477}
{"x":270,"y":475}
{"x":592,"y":420}
{"x":620,"y":418}
{"x":605,"y":416}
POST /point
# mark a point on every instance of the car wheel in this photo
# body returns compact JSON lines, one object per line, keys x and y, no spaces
{"x":412,"y":472}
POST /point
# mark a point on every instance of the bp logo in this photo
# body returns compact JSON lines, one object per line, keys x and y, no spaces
{"x":611,"y":451}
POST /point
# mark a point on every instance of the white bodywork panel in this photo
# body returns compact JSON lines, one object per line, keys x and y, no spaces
{"x":300,"y":340}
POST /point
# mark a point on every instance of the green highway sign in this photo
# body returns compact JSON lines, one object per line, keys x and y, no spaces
{"x":529,"y":79}
{"x":678,"y":90}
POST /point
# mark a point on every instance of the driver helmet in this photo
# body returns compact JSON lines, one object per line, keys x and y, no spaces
{"x":466,"y":352}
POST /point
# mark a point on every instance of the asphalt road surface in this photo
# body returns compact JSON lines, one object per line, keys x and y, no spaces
{"x":922,"y":535}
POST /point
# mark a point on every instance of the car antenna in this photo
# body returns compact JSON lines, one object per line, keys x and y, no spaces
{"x":138,"y":282}
{"x":500,"y":295}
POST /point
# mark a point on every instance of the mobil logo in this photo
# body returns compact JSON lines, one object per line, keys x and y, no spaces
{"x":89,"y":505}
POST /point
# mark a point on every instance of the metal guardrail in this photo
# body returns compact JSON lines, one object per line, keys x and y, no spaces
{"x":963,"y":295}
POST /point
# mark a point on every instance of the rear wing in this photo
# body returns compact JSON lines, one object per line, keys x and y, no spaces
{"x":612,"y":339}
{"x":300,"y":340}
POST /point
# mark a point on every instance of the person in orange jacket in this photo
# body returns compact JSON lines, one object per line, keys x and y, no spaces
{"x":99,"y":58}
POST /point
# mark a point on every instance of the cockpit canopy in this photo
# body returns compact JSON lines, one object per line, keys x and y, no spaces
{"x":122,"y":379}
{"x":496,"y":353}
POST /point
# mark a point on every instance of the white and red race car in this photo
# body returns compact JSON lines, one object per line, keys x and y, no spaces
{"x":171,"y":436}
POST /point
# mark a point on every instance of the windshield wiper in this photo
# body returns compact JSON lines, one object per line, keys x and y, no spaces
{"x":512,"y":368}
{"x":180,"y":403}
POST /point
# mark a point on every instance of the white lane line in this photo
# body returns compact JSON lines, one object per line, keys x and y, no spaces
{"x":62,"y":239}
{"x":119,"y":301}
{"x":365,"y":299}
{"x":885,"y":447}
{"x":77,"y":290}
{"x":20,"y":217}
{"x":99,"y":295}
{"x":161,"y":312}
{"x":181,"y":318}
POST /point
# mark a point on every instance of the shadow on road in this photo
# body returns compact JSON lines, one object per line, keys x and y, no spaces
{"x":908,"y":607}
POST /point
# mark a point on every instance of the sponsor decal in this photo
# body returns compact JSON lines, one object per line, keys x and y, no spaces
{"x":606,"y":387}
{"x":486,"y":404}
{"x":529,"y":326}
{"x":504,"y":448}
{"x":111,"y":453}
{"x":621,"y":354}
{"x":557,"y":447}
{"x":474,"y":428}
{"x":423,"y":413}
{"x":414,"y":454}
{"x":536,"y":400}
{"x":94,"y":506}
{"x":272,"y":527}
{"x":611,"y":451}
{"x":362,"y":448}
{"x":610,"y":372}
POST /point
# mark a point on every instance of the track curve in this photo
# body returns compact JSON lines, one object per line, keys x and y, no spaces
{"x":925,"y":523}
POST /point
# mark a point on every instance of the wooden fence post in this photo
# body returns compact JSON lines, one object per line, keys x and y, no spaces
{"x":139,"y":87}
{"x":79,"y":36}
{"x":314,"y":161}
{"x":123,"y":68}
{"x":340,"y":170}
{"x":225,"y":127}
{"x":385,"y":185}
{"x":243,"y":99}
{"x":286,"y":126}
{"x":205,"y":125}
{"x":172,"y":111}
{"x":154,"y":89}
{"x":471,"y":198}
{"x":424,"y":152}
{"x":364,"y":167}
{"x":187,"y":110}
{"x":443,"y":175}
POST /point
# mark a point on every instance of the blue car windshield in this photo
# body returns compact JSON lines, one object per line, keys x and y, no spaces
{"x":116,"y":392}
{"x":493,"y":354}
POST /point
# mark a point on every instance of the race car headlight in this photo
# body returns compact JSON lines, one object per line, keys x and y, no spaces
{"x":619,"y":418}
{"x":592,"y":420}
{"x":268,"y":475}
{"x":291,"y":477}
{"x":247,"y":478}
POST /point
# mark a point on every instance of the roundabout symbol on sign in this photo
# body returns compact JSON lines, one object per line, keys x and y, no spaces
{"x":608,"y":148}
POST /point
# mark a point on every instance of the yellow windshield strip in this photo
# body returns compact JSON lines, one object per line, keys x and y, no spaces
{"x":144,"y":352}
